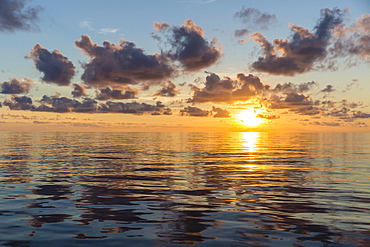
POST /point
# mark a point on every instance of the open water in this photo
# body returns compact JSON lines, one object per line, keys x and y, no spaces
{"x":176,"y":189}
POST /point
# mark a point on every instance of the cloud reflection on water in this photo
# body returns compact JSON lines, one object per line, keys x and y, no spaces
{"x":183,"y":188}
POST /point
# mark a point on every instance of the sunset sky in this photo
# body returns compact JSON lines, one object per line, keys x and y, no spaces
{"x":185,"y":65}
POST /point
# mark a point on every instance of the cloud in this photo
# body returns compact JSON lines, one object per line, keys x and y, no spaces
{"x":353,"y":41}
{"x":188,"y":45}
{"x":250,"y":86}
{"x":121,"y":64}
{"x":254,"y":19}
{"x":19,"y":103}
{"x":86,"y":24}
{"x":350,"y":87}
{"x":302,"y":51}
{"x":290,"y":96}
{"x":221,"y":113}
{"x":106,"y":30}
{"x":56,"y":67}
{"x":289,"y":87}
{"x":162,"y":110}
{"x":241,"y":32}
{"x":360,"y":40}
{"x":328,"y":89}
{"x":331,"y":124}
{"x":360,"y":114}
{"x":169,"y":89}
{"x":14,"y":15}
{"x":65,"y":104}
{"x":87,"y":105}
{"x":297,"y":99}
{"x":309,"y":110}
{"x":109,"y":93}
{"x":78,"y":90}
{"x":227,"y":90}
{"x":14,"y":86}
{"x":194,"y":112}
{"x":134,"y":107}
{"x":215,"y":90}
{"x":268,"y":117}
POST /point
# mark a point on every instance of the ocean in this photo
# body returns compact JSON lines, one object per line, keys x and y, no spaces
{"x":177,"y":189}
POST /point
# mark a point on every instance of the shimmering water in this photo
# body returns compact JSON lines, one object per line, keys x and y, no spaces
{"x":166,"y":189}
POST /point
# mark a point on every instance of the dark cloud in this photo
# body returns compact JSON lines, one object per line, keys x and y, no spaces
{"x":65,"y":104}
{"x":134,"y":107}
{"x":331,"y":124}
{"x":109,"y":93}
{"x":268,"y":117}
{"x":254,"y":19}
{"x":78,"y":90}
{"x":350,"y":87}
{"x":353,"y":41}
{"x":250,"y":86}
{"x":169,"y":89}
{"x":14,"y":86}
{"x":215,"y":90}
{"x":290,"y":96}
{"x":309,"y":110}
{"x":121,"y":64}
{"x":346,"y":103}
{"x":228,"y":90}
{"x":87,"y":105}
{"x":19,"y":103}
{"x":302,"y":51}
{"x":183,"y":84}
{"x":328,"y":89}
{"x":298,"y":99}
{"x":162,"y":109}
{"x":342,"y":113}
{"x":188,"y":45}
{"x":221,"y":113}
{"x":360,"y":114}
{"x":55,"y":66}
{"x":289,"y":87}
{"x":241,"y":32}
{"x":295,"y":98}
{"x":359,"y":43}
{"x":14,"y":15}
{"x":194,"y":112}
{"x":343,"y":110}
{"x":293,"y":101}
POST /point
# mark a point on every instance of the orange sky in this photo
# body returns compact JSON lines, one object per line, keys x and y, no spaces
{"x":115,"y":122}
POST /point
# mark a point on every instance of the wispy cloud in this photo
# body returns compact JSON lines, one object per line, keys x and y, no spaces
{"x":108,"y":30}
{"x":253,"y":19}
{"x":104,"y":30}
{"x":86,"y":24}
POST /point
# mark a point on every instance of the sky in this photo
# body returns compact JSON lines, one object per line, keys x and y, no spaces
{"x":185,"y":65}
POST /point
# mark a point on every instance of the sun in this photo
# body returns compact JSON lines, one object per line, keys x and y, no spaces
{"x":249,"y":118}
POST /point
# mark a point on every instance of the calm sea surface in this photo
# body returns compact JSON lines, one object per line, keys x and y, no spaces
{"x":173,"y":189}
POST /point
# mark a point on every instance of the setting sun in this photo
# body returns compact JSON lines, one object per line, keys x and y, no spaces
{"x":184,"y":122}
{"x":249,"y":118}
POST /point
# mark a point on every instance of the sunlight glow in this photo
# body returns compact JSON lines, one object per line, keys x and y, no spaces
{"x":250,"y":141}
{"x":249,"y":118}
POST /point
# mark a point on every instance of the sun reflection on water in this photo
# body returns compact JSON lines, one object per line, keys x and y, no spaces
{"x":250,"y":141}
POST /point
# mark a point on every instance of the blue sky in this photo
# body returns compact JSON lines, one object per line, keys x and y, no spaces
{"x":60,"y":23}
